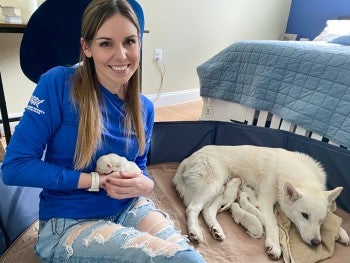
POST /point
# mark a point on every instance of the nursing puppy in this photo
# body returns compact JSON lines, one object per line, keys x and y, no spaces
{"x":294,"y":180}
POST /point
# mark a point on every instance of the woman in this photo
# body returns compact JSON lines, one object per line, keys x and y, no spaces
{"x":75,"y":115}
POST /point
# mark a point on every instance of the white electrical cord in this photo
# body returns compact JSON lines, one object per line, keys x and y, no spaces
{"x":162,"y":74}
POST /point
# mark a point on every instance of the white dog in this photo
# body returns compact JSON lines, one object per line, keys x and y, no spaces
{"x":294,"y":180}
{"x":114,"y":163}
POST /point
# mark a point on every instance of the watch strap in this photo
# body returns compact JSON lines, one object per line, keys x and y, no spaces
{"x":95,"y":182}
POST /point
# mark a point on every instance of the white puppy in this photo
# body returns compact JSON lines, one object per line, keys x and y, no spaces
{"x":248,"y":220}
{"x":294,"y":180}
{"x":114,"y":163}
{"x":246,"y":204}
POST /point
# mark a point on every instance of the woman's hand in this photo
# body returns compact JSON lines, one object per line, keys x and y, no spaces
{"x":127,"y":185}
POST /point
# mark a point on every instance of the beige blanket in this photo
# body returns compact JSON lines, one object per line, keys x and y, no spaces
{"x":296,"y":251}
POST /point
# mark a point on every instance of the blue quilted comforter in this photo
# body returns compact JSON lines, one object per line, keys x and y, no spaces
{"x":306,"y":83}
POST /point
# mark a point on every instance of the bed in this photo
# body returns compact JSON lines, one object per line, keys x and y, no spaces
{"x":306,"y":83}
{"x":300,"y":86}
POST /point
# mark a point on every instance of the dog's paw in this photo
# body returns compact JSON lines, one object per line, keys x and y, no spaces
{"x":217,"y":234}
{"x":195,"y":237}
{"x":274,"y":251}
{"x":343,"y":237}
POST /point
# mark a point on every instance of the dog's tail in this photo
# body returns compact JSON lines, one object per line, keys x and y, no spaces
{"x":178,"y":178}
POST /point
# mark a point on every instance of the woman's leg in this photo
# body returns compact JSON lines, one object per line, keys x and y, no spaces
{"x":146,"y":218}
{"x":66,"y":240}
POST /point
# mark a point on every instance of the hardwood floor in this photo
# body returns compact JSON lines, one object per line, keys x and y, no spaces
{"x":190,"y":111}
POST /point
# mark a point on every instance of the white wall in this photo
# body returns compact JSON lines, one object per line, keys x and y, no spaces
{"x":17,"y":86}
{"x":188,"y":31}
{"x":191,"y":31}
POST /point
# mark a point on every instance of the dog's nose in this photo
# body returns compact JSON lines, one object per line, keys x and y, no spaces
{"x":315,"y":242}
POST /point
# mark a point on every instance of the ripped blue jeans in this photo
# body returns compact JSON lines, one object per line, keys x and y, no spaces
{"x":114,"y":239}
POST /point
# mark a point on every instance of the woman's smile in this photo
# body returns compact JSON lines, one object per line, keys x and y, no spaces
{"x":116,"y":52}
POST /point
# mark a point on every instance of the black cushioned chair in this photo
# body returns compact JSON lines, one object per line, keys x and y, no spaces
{"x":52,"y":38}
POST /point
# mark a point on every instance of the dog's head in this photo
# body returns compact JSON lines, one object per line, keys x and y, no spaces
{"x":307,"y":209}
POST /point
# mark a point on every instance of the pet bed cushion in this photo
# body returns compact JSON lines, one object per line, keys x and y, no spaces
{"x":238,"y":245}
{"x":22,"y":249}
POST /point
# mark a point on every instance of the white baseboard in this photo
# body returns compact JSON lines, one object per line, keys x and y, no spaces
{"x":173,"y":98}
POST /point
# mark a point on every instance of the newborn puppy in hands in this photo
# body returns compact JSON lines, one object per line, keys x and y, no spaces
{"x":112,"y":162}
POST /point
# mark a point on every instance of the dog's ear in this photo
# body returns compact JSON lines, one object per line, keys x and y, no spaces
{"x":333,"y":194}
{"x":291,"y":192}
{"x":109,"y":165}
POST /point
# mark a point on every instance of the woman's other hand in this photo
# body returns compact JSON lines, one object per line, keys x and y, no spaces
{"x":127,"y":185}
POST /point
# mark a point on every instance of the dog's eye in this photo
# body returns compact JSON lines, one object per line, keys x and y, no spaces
{"x":305,"y":215}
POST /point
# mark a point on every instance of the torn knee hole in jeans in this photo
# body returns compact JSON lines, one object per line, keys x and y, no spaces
{"x":155,"y":222}
{"x":154,"y":246}
{"x":159,"y":227}
{"x":101,"y":234}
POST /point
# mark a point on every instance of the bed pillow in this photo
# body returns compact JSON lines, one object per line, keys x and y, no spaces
{"x":334,"y":29}
{"x":342,"y":40}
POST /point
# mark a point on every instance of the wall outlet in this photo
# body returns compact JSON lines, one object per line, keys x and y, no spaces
{"x":158,"y":54}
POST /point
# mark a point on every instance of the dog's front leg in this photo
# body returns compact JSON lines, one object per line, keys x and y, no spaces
{"x":272,"y":244}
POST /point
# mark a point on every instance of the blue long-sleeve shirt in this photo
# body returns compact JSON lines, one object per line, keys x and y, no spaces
{"x":50,"y":121}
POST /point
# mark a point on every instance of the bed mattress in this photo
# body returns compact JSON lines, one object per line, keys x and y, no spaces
{"x":307,"y":83}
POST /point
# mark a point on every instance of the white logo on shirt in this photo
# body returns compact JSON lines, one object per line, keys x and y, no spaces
{"x":34,"y":104}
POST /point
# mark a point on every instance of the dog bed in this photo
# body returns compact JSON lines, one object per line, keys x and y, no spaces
{"x":172,"y":142}
{"x":238,"y":245}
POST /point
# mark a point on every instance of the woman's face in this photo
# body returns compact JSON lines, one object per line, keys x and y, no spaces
{"x":115,"y":51}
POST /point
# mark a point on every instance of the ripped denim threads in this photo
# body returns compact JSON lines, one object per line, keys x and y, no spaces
{"x":112,"y":239}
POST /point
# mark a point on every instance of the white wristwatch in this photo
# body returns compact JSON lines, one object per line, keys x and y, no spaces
{"x":95,"y":182}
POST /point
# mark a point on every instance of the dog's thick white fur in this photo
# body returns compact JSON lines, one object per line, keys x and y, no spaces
{"x":294,"y":180}
{"x":114,"y":163}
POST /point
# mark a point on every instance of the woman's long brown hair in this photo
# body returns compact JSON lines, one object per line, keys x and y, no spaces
{"x":86,"y":94}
